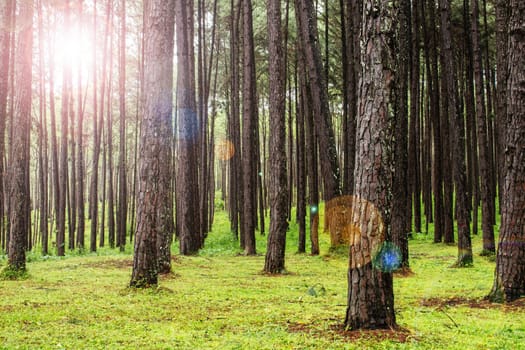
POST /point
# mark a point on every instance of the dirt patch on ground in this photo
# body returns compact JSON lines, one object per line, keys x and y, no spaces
{"x":480,"y":303}
{"x":110,"y":264}
{"x":338,"y":330}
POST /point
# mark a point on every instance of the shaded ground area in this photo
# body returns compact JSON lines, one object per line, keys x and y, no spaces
{"x":337,"y":330}
{"x":475,"y":303}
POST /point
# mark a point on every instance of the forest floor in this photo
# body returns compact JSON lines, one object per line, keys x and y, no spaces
{"x":219,"y":299}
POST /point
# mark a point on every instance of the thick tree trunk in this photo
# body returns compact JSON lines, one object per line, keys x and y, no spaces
{"x":274,"y":262}
{"x":509,"y":278}
{"x":158,"y":72}
{"x":19,"y":164}
{"x":370,"y":288}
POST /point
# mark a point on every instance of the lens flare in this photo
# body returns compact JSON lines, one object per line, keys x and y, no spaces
{"x":224,"y":150}
{"x":387,"y":258}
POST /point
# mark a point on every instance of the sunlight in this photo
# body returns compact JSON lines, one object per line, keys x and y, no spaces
{"x":72,"y":49}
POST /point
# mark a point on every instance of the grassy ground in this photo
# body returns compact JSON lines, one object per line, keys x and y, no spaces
{"x":220,"y":300}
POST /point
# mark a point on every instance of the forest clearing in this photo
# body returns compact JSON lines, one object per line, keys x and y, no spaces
{"x":220,"y":299}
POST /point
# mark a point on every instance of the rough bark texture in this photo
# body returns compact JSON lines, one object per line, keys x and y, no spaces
{"x":501,"y":102}
{"x":414,"y":126}
{"x":19,"y":165}
{"x":483,"y":149}
{"x":187,"y":138}
{"x":509,"y":279}
{"x":249,"y":127}
{"x":274,"y":262}
{"x":370,"y":290}
{"x":158,"y":72}
{"x":400,"y":195}
{"x":458,"y":140}
{"x":5,"y":22}
{"x":307,"y":27}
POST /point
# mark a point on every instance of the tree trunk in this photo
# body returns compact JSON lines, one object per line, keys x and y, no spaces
{"x":509,"y":277}
{"x":484,"y":155}
{"x":249,"y":165}
{"x":123,"y":199}
{"x":400,"y":194}
{"x":274,"y":262}
{"x":458,"y":127}
{"x":6,"y":8}
{"x":370,"y":288}
{"x":301,"y":165}
{"x":307,"y":27}
{"x":80,"y":163}
{"x":501,"y":102}
{"x":63,"y":167}
{"x":158,"y":71}
{"x":187,"y":136}
{"x":414,"y":129}
{"x":19,"y":163}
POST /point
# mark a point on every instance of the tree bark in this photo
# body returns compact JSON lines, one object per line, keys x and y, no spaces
{"x":123,"y":199}
{"x":6,"y":8}
{"x":370,"y":289}
{"x":249,"y":165}
{"x":158,"y":71}
{"x":458,"y":137}
{"x":483,"y":149}
{"x":19,"y":164}
{"x":509,"y":277}
{"x":187,"y":137}
{"x":400,"y":194}
{"x":307,"y":28}
{"x":275,"y":254}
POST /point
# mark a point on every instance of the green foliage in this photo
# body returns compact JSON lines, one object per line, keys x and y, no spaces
{"x":219,"y":299}
{"x":9,"y":273}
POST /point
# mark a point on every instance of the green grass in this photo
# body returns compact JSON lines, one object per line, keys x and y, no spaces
{"x":220,"y":300}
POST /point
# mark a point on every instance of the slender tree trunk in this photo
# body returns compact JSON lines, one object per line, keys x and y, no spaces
{"x":235,"y":188}
{"x":501,"y":102}
{"x":275,"y":254}
{"x":6,"y":8}
{"x":484,"y":156}
{"x":414,"y":123}
{"x":187,"y":135}
{"x":400,"y":194}
{"x":80,"y":162}
{"x":19,"y":163}
{"x":458,"y":137}
{"x":249,"y":165}
{"x":63,"y":168}
{"x":301,"y":165}
{"x":123,"y":199}
{"x":329,"y":163}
